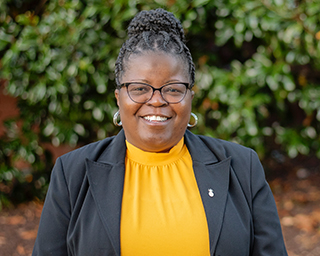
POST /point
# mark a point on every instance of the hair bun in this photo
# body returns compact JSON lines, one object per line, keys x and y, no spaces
{"x":155,"y":20}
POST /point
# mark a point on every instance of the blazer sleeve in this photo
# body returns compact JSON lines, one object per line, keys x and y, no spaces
{"x":52,"y":232}
{"x":268,"y":240}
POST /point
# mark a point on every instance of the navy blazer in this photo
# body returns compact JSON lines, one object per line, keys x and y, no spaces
{"x":81,"y":214}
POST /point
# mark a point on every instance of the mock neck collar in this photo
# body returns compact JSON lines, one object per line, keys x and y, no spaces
{"x":151,"y":158}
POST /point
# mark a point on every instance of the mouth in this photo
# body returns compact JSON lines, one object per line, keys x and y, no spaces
{"x":155,"y":118}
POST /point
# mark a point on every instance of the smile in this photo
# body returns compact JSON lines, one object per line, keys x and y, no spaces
{"x":155,"y":118}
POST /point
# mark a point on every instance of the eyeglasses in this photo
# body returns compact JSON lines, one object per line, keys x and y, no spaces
{"x":142,"y":92}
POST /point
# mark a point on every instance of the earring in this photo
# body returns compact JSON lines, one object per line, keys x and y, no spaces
{"x":115,"y":119}
{"x":195,"y":121}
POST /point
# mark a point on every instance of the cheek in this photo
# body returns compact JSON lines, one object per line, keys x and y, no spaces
{"x":183,"y":117}
{"x":185,"y":109}
{"x":127,"y":107}
{"x":123,"y":101}
{"x":123,"y":105}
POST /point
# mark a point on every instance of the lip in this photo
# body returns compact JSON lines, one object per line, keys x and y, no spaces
{"x":156,"y":119}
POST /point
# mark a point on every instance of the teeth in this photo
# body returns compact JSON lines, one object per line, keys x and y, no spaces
{"x":155,"y":118}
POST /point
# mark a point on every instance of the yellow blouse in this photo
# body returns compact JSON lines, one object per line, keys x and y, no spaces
{"x":162,"y":211}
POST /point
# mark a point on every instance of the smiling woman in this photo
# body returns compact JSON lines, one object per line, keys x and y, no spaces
{"x":156,"y":125}
{"x":155,"y":188}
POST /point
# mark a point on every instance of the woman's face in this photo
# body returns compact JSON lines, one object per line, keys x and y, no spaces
{"x":140,"y":127}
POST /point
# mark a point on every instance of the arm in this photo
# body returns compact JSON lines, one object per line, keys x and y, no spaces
{"x":52,"y":233}
{"x":268,"y":240}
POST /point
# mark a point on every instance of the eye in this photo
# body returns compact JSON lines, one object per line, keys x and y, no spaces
{"x":138,"y":88}
{"x":174,"y":89}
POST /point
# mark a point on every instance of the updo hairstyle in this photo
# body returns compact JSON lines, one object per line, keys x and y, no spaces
{"x":154,"y":30}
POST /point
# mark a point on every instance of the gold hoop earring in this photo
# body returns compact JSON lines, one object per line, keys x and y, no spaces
{"x":115,"y":119}
{"x":195,"y":120}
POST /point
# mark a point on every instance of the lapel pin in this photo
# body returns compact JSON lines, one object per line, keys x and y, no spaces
{"x":210,"y":192}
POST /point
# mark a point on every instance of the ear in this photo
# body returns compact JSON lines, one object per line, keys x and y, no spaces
{"x":192,"y":94}
{"x":117,"y":95}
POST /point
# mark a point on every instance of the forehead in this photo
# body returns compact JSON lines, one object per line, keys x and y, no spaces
{"x":149,"y":65}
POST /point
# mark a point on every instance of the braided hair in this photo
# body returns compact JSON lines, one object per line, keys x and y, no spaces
{"x":154,"y":30}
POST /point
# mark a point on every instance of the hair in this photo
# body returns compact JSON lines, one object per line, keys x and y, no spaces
{"x":154,"y":30}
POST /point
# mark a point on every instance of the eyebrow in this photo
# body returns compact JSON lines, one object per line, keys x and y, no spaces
{"x":147,"y":82}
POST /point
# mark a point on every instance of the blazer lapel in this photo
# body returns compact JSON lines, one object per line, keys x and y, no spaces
{"x":212,"y":169}
{"x":106,"y":177}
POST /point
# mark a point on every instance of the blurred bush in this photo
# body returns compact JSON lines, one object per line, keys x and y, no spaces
{"x":257,"y":82}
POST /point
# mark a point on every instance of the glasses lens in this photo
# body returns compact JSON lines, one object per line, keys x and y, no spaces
{"x":139,"y":92}
{"x":174,"y":93}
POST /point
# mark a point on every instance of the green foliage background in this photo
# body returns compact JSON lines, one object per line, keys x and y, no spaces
{"x":257,"y":80}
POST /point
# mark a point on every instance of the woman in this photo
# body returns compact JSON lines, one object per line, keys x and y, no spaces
{"x":155,"y":188}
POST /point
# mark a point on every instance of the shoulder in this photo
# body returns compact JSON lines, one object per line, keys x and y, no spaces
{"x":228,"y":145}
{"x":245,"y":164}
{"x":203,"y":148}
{"x":225,"y":148}
{"x":71,"y":167}
{"x":91,"y":151}
{"x":241,"y":155}
{"x":108,"y":151}
{"x":73,"y":164}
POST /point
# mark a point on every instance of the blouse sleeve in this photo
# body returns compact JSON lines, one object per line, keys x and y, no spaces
{"x":268,"y":240}
{"x":52,"y":232}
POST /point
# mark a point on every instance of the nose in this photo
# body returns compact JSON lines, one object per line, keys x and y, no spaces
{"x":157,"y":100}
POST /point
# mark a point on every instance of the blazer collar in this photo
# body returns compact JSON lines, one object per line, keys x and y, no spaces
{"x":106,"y":177}
{"x":211,"y":167}
{"x":115,"y":152}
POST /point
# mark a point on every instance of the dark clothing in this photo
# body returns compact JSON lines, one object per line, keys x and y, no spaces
{"x":81,"y":214}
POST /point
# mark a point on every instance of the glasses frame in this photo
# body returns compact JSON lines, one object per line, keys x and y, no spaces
{"x":155,"y":89}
